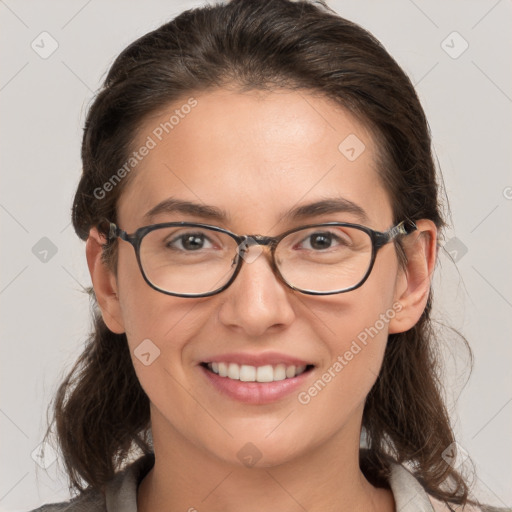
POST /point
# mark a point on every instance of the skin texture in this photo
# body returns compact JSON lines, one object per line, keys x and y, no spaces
{"x":257,"y":155}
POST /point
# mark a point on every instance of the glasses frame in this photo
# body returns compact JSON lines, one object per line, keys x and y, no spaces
{"x":378,"y":238}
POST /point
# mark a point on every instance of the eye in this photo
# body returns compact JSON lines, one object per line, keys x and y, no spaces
{"x":322,"y":240}
{"x":190,"y":242}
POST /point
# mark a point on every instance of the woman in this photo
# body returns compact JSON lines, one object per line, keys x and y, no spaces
{"x":270,"y":166}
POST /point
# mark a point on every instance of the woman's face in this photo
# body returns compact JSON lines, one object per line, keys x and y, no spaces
{"x":256,"y":156}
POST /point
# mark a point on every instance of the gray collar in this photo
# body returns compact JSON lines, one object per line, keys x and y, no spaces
{"x":409,"y":494}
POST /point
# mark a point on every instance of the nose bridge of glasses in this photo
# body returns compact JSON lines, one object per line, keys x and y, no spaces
{"x":258,"y":241}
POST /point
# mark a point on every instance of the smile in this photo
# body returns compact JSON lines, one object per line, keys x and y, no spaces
{"x":248,"y":373}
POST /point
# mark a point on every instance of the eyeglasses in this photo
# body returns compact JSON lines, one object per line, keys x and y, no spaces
{"x":187,"y":259}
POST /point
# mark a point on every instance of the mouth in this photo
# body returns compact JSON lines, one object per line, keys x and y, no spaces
{"x":256,"y":385}
{"x":260,"y":374}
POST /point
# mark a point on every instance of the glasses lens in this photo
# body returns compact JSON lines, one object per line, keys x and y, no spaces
{"x":188,"y":259}
{"x":324,"y":258}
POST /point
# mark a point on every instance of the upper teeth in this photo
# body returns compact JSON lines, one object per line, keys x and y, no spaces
{"x":246,"y":373}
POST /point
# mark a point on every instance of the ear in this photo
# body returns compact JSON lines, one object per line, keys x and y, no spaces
{"x":412,"y":286}
{"x":104,"y":283}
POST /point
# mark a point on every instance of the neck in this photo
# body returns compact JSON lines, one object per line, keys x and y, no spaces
{"x":328,"y":478}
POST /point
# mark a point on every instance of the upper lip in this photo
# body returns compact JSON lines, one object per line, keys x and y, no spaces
{"x":258,"y":359}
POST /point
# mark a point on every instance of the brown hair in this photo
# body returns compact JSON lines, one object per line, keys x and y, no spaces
{"x":101,"y":412}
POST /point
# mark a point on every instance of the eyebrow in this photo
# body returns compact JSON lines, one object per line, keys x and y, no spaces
{"x":317,"y":208}
{"x":173,"y":205}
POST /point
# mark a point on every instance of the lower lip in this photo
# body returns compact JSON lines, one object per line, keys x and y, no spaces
{"x":256,"y":393}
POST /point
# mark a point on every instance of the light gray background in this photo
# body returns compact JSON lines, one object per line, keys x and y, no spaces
{"x":45,"y":314}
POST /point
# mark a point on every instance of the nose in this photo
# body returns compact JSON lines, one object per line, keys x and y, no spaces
{"x":257,"y":300}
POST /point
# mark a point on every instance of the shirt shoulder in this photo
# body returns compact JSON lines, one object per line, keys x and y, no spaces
{"x":440,"y":506}
{"x":410,"y":496}
{"x":88,"y":501}
{"x":120,"y":493}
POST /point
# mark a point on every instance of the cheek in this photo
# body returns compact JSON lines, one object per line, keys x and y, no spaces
{"x":357,"y":334}
{"x":158,"y":329}
{"x":157,"y":326}
{"x":166,"y":320}
{"x":356,"y":352}
{"x":140,"y":304}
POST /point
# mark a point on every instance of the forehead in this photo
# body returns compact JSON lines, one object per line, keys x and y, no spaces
{"x":254,"y":155}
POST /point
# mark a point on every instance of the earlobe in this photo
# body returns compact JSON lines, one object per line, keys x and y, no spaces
{"x":104,"y":283}
{"x":413,"y":283}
